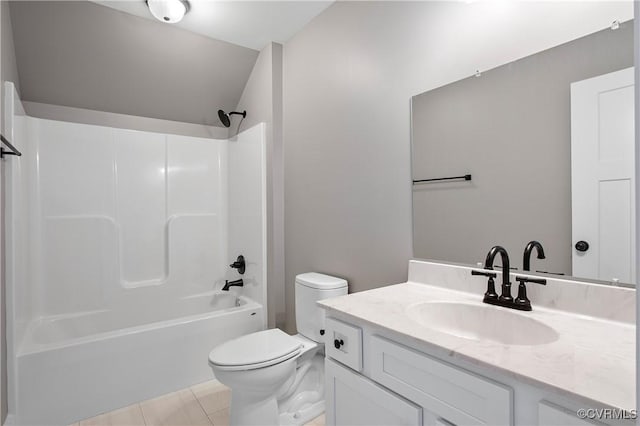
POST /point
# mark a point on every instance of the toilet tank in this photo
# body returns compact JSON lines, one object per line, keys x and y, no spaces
{"x":310,"y":288}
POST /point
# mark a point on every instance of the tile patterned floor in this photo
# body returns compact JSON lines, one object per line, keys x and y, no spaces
{"x":206,"y":404}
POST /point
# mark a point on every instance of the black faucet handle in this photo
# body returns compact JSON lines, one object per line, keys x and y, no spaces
{"x":550,"y":273}
{"x":523,"y":280}
{"x":522,"y":301}
{"x":490,"y":294}
{"x":239,"y":264}
{"x":484,"y":273}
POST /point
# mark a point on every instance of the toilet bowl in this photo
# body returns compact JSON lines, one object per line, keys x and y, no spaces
{"x":276,"y":378}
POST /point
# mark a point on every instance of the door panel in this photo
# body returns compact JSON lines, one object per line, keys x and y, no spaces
{"x":602,"y":176}
{"x":354,"y":400}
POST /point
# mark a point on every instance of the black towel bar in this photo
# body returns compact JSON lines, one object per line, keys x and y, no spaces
{"x":13,"y":149}
{"x":465,"y":177}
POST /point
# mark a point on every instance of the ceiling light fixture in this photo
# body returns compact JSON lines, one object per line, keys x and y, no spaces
{"x":169,"y":11}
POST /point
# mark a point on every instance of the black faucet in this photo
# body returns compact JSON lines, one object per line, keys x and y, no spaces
{"x":526,"y":258}
{"x":236,"y":283}
{"x":488,"y":264}
{"x":505,"y":299}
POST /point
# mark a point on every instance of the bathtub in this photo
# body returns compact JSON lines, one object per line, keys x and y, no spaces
{"x":76,"y":366}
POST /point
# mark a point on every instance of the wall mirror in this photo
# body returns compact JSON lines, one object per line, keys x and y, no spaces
{"x":548,"y":142}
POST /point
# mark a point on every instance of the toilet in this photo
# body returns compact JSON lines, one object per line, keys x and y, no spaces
{"x":275,"y":378}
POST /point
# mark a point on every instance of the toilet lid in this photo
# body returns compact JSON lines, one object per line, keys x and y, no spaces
{"x":255,"y":350}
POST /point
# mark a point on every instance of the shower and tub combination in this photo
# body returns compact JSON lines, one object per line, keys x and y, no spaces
{"x":118,"y":245}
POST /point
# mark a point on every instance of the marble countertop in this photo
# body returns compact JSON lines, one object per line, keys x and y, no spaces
{"x":593,"y":358}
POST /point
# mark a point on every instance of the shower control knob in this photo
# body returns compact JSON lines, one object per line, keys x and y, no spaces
{"x":582,"y":246}
{"x":239,"y":264}
{"x":337,"y":343}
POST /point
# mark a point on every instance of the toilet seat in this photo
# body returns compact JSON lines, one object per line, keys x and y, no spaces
{"x":255,"y":350}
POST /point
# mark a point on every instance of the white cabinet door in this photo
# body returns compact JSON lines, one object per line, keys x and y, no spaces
{"x":353,"y":400}
{"x":602,"y":177}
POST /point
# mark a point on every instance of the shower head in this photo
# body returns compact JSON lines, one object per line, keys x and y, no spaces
{"x":224,"y":117}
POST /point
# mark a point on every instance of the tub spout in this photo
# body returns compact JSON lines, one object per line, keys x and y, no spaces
{"x":236,"y":283}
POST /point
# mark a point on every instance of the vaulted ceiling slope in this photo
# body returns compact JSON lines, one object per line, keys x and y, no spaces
{"x":248,"y":23}
{"x":84,"y":55}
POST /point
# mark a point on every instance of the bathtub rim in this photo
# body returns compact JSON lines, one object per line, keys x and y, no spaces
{"x":28,"y":347}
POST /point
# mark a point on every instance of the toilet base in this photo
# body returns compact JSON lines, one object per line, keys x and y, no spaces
{"x":248,"y":412}
{"x":305,"y":399}
{"x":302,"y":416}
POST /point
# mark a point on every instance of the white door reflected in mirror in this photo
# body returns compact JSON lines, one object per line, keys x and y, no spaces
{"x":602,"y":177}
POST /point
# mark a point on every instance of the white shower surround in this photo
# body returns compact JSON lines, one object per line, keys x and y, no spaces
{"x":118,"y":243}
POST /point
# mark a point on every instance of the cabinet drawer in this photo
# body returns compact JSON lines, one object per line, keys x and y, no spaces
{"x":455,"y":395}
{"x":344,"y":343}
{"x":353,"y":400}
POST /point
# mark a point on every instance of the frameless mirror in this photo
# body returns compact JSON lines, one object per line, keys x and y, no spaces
{"x":548,"y":142}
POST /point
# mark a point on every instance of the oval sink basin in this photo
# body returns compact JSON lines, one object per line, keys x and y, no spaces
{"x":481,"y":322}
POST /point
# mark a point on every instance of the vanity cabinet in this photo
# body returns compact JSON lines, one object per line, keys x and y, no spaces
{"x":376,"y":378}
{"x":402,"y":386}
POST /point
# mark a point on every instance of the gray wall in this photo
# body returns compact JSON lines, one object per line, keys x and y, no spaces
{"x":9,"y":64}
{"x":83,"y":55}
{"x":262,"y":99}
{"x":511,"y":129}
{"x":348,"y":79}
{"x":346,"y":133}
{"x":123,"y":121}
{"x":8,"y":72}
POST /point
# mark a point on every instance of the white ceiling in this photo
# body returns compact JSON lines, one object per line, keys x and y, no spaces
{"x":251,"y":24}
